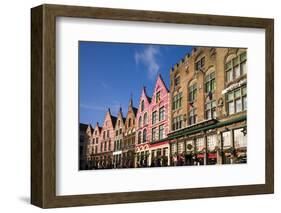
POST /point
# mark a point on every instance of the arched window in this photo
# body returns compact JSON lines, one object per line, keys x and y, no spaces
{"x":210,"y":82}
{"x":144,"y":136}
{"x":235,"y":66}
{"x":139,"y":137}
{"x":145,"y":118}
{"x":192,"y":91}
{"x":142,"y":105}
{"x":200,"y":63}
{"x":140,"y":121}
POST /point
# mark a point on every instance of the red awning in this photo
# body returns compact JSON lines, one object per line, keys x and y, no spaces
{"x":200,"y":155}
{"x":159,"y":144}
{"x":212,"y":155}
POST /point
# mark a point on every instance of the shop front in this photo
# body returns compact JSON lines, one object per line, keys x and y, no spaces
{"x":117,"y":156}
{"x":142,"y":156}
{"x":159,"y":154}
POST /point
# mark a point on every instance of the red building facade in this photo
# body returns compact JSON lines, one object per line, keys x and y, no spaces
{"x":159,"y":124}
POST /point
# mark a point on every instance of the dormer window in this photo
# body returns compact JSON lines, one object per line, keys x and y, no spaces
{"x":177,"y":81}
{"x":140,"y":121}
{"x":145,"y":118}
{"x":157,"y":96}
{"x":199,"y":64}
{"x":142,"y":105}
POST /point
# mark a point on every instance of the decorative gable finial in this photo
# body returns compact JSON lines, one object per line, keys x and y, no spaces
{"x":131,"y":100}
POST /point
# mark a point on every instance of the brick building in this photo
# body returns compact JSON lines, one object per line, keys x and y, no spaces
{"x":208,"y":107}
{"x":129,"y":137}
{"x":118,"y":140}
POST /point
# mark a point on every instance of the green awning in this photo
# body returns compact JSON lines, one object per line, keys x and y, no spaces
{"x":193,"y":130}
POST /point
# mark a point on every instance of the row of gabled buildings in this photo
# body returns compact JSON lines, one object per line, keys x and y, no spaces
{"x":199,"y":120}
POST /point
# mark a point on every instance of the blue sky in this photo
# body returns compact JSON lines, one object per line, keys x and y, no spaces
{"x":110,"y":72}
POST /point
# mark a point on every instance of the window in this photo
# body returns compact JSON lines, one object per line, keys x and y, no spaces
{"x":101,"y":147}
{"x":154,"y":115}
{"x":161,"y":132}
{"x":104,"y":148}
{"x":103,"y":135}
{"x":154,"y":132}
{"x":120,"y":131}
{"x":97,"y":140}
{"x":157,"y":97}
{"x":211,"y":142}
{"x":161,"y":113}
{"x":165,"y":152}
{"x":240,"y":139}
{"x":120,"y":144}
{"x":180,"y":147}
{"x":139,"y":137}
{"x":116,"y":132}
{"x":177,"y":122}
{"x":210,"y":82}
{"x":200,"y":63}
{"x":145,"y":118}
{"x":236,"y":67}
{"x":226,"y":137}
{"x":142,"y":105}
{"x":140,"y":121}
{"x":243,"y":59}
{"x":192,"y":94}
{"x":173,"y":148}
{"x":192,"y":116}
{"x":107,"y":134}
{"x":210,"y":110}
{"x":237,"y":100}
{"x":200,"y":144}
{"x":144,"y":136}
{"x":158,"y":152}
{"x":129,"y":122}
{"x":177,"y":80}
{"x":177,"y":99}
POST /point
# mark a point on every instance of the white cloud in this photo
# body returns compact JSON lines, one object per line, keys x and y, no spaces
{"x":148,"y":57}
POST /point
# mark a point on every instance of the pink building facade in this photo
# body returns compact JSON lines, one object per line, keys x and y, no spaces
{"x":143,"y":131}
{"x":159,"y":124}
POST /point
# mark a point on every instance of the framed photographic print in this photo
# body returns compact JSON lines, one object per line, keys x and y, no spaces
{"x":137,"y":106}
